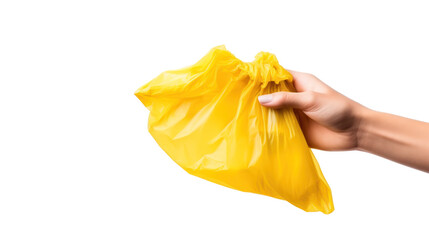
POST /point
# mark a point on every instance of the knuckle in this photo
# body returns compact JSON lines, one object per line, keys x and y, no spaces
{"x":285,"y":97}
{"x":311,"y":98}
{"x":311,"y":75}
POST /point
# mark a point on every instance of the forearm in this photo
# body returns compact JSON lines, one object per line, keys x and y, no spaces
{"x":400,"y":139}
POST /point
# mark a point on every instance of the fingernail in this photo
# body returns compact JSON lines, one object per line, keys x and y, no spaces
{"x":265,"y":98}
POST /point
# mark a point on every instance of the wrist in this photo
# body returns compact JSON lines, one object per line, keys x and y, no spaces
{"x":364,"y":118}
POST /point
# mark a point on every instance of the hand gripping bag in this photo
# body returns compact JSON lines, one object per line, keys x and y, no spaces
{"x":207,"y":118}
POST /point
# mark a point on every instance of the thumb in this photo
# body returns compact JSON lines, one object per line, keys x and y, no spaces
{"x":299,"y":100}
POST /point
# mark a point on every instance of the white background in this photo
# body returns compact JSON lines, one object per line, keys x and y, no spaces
{"x":77,"y":162}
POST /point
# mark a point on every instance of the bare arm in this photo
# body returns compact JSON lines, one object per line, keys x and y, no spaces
{"x":331,"y":121}
{"x":400,"y":139}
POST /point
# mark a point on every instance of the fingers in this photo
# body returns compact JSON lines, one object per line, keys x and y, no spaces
{"x":308,"y":82}
{"x":302,"y":81}
{"x":298,"y":100}
{"x":295,"y":74}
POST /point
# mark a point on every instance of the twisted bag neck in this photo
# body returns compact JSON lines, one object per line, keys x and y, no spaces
{"x":266,"y":68}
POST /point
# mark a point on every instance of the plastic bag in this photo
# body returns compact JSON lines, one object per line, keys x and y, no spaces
{"x":207,"y":118}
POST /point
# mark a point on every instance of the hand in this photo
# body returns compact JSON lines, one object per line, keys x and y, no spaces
{"x":329,"y":120}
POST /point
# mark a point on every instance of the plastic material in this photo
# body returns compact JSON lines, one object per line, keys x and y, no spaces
{"x":207,"y":118}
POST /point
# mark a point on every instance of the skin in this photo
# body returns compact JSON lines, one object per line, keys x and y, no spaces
{"x":331,"y":121}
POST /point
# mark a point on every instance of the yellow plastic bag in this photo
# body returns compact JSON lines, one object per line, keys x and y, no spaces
{"x":207,"y":118}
